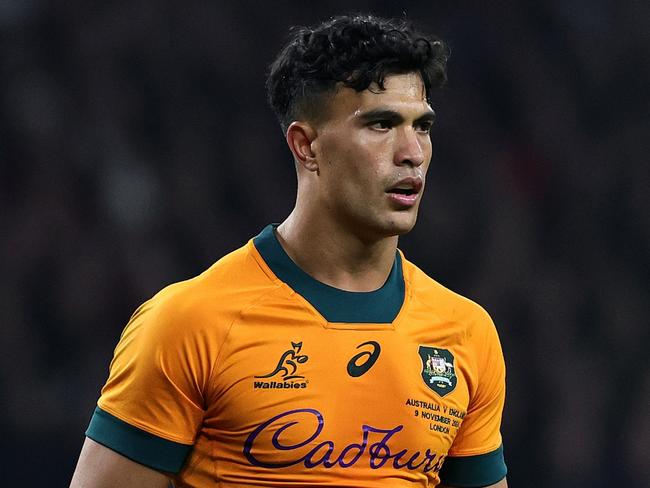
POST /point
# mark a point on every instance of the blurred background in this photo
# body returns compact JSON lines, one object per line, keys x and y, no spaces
{"x":136,"y":148}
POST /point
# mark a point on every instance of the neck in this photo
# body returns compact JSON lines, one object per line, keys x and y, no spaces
{"x":335,"y":256}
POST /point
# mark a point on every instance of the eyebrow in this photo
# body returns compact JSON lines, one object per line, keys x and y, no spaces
{"x":395,"y":117}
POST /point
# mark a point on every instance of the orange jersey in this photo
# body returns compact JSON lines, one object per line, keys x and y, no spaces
{"x":255,"y":374}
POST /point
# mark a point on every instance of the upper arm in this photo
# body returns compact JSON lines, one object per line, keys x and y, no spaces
{"x":100,"y":467}
{"x":501,"y":484}
{"x":158,"y":374}
{"x":476,"y":456}
{"x":151,"y":406}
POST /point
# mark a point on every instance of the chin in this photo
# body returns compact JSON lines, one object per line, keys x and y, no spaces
{"x":400,"y":231}
{"x":402,"y":224}
{"x":379,"y":226}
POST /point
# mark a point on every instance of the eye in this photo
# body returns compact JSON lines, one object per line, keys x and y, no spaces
{"x":424,"y":127}
{"x":382,"y":125}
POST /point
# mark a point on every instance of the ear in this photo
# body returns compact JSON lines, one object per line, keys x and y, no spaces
{"x":300,"y":136}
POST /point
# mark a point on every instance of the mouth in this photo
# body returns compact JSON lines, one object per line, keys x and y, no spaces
{"x":407,"y":186}
{"x":405,"y":192}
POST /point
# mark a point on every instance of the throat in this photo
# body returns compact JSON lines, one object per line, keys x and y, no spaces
{"x":348,"y":266}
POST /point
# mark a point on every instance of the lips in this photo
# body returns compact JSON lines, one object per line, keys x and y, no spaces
{"x":405,"y":192}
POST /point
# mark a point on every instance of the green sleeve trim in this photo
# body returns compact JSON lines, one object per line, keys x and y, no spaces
{"x":136,"y":444}
{"x":474,"y":471}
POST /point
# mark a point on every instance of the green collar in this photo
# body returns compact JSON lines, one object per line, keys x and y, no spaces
{"x":380,"y":306}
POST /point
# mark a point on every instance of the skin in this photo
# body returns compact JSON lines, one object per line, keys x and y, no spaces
{"x":344,"y":227}
{"x":100,"y":467}
{"x":343,"y":230}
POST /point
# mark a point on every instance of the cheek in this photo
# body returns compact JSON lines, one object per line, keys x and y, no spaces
{"x":355,"y":165}
{"x":425,"y":168}
{"x":359,"y":165}
{"x":371,"y":174}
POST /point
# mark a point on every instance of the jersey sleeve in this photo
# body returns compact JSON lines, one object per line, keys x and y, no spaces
{"x":476,"y":458}
{"x":152,"y":405}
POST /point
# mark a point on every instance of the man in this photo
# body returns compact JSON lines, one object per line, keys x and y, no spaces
{"x":316,"y":355}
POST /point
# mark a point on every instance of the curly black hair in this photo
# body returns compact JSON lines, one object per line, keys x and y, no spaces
{"x":354,"y":50}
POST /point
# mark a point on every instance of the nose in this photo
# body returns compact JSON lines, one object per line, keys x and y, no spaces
{"x":409,"y":149}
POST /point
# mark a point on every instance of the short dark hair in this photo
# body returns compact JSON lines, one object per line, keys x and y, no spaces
{"x":354,"y":50}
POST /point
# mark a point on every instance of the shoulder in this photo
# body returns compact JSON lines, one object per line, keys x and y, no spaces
{"x":213,"y":299}
{"x":446,"y":305}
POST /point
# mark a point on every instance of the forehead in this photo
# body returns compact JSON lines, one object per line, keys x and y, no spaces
{"x":402,"y":93}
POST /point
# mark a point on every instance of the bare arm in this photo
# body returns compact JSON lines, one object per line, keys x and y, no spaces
{"x":100,"y":467}
{"x":501,"y":484}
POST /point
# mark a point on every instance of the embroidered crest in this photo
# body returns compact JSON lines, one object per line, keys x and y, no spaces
{"x":438,"y":370}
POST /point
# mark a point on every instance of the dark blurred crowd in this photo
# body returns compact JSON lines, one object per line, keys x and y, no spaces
{"x":136,"y":148}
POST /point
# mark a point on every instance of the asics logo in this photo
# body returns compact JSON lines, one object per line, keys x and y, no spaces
{"x":360,"y":363}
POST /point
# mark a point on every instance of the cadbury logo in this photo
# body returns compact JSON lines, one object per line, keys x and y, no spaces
{"x":280,"y":454}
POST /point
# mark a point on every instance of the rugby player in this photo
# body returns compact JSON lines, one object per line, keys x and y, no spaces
{"x":316,"y":354}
